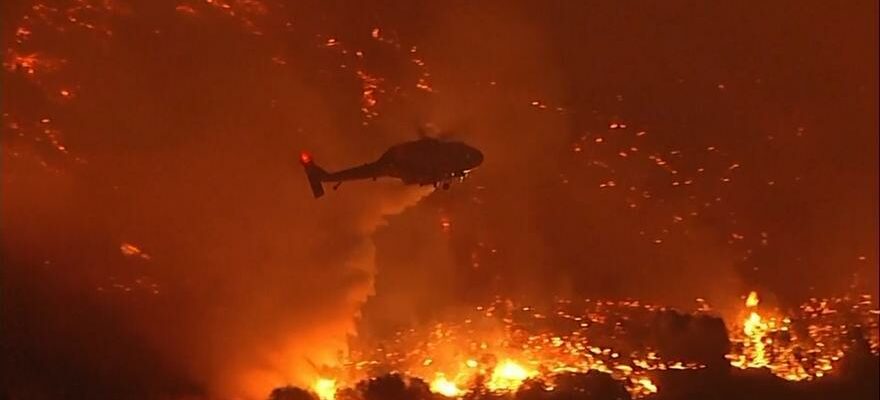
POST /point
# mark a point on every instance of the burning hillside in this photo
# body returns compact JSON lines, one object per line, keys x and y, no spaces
{"x":159,"y":239}
{"x":500,"y":347}
{"x":807,"y":344}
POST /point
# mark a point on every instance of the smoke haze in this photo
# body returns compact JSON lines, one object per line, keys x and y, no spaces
{"x":159,"y":239}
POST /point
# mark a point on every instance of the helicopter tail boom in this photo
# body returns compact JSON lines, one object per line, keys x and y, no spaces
{"x":315,"y":174}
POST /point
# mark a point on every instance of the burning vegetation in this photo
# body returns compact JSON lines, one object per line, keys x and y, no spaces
{"x":808,"y":344}
{"x":504,"y":348}
{"x":156,"y":242}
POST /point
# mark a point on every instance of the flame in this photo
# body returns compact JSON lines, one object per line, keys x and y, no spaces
{"x":755,"y":329}
{"x":649,"y":385}
{"x":807,"y":345}
{"x":508,"y":376}
{"x":503,"y":344}
{"x":752,"y":300}
{"x":325,"y":388}
{"x":445,"y":387}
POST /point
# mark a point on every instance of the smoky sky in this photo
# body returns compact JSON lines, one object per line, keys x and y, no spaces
{"x":655,"y":151}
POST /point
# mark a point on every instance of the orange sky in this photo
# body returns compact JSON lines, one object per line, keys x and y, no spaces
{"x":658,"y":152}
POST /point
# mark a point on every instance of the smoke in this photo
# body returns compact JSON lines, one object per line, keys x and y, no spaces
{"x":664,"y":154}
{"x":181,"y":131}
{"x":186,"y":151}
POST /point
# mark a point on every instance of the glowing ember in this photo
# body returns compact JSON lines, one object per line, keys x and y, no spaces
{"x":445,"y":224}
{"x":245,"y":11}
{"x":131,"y":250}
{"x":370,"y":87}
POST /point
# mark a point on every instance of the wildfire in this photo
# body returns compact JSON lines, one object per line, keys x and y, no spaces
{"x":445,"y":387}
{"x":502,"y":345}
{"x":325,"y":388}
{"x":755,"y":329}
{"x":804,"y":346}
{"x":648,"y":385}
{"x":508,"y":376}
{"x":752,"y":299}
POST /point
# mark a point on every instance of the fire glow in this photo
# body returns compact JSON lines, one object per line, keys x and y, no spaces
{"x":804,"y":346}
{"x":70,"y":63}
{"x":754,"y":330}
{"x":500,"y":347}
{"x":325,"y":388}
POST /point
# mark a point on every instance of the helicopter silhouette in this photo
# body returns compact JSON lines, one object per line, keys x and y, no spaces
{"x":426,"y":161}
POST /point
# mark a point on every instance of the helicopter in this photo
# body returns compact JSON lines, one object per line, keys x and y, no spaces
{"x":426,"y":161}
